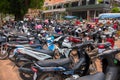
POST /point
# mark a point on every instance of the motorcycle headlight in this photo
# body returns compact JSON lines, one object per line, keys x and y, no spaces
{"x":66,"y":40}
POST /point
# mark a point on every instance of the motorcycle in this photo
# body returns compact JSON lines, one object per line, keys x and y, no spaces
{"x":61,"y":68}
{"x":111,"y":67}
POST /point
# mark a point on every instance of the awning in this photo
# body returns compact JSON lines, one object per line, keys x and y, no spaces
{"x":55,"y":10}
{"x":109,"y":15}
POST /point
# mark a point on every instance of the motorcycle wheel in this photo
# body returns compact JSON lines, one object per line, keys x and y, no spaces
{"x":84,"y":68}
{"x":26,"y":76}
{"x":3,"y":52}
{"x":11,"y":57}
{"x":20,"y":63}
{"x":56,"y":54}
{"x":50,"y":76}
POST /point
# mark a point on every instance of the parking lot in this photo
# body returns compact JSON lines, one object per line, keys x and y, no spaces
{"x":9,"y":72}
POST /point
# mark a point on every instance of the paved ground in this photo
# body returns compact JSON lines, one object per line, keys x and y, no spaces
{"x":7,"y":72}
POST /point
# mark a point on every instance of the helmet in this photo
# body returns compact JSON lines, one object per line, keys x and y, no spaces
{"x":42,"y":31}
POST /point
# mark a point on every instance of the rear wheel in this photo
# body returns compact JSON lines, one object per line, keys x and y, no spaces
{"x":11,"y":55}
{"x":50,"y":76}
{"x":84,"y":68}
{"x":26,"y":76}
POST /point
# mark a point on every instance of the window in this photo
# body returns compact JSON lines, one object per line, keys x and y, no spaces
{"x":107,"y":2}
{"x":54,"y":7}
{"x":92,"y":2}
{"x":74,"y":4}
{"x":83,"y":2}
{"x":59,"y":6}
{"x":66,"y":5}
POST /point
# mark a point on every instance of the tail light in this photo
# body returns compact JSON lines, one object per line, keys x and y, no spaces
{"x":6,"y":45}
{"x":31,"y":42}
{"x":111,"y":40}
{"x":34,"y":69}
{"x":101,"y":46}
{"x":18,"y":51}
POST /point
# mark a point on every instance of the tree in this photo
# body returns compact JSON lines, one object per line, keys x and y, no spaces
{"x":115,"y":10}
{"x":19,"y":7}
{"x":115,"y":7}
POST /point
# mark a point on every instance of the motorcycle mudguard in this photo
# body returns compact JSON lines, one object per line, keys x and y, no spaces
{"x":96,"y":76}
{"x":112,"y":73}
{"x":23,"y":59}
{"x":51,"y":47}
{"x":25,"y":70}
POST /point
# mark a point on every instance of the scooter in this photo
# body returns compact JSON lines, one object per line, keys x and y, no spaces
{"x":61,"y":68}
{"x":111,"y":67}
{"x":22,"y":54}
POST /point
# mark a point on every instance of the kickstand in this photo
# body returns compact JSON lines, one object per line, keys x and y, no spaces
{"x":13,"y":66}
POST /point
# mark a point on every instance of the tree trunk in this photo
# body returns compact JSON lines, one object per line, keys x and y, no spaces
{"x":0,"y":19}
{"x":19,"y":17}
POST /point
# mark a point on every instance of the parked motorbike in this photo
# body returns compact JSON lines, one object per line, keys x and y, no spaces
{"x":61,"y":68}
{"x":111,"y":67}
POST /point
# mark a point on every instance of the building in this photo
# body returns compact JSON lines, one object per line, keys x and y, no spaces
{"x":33,"y":13}
{"x":87,"y":9}
{"x":53,"y":9}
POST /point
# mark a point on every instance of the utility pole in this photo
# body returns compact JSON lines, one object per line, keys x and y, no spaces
{"x":111,"y":4}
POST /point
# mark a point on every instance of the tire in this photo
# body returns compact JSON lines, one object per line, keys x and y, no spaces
{"x":20,"y":63}
{"x":57,"y":54}
{"x":84,"y":68}
{"x":26,"y":76}
{"x":11,"y":54}
{"x":3,"y":52}
{"x":50,"y":76}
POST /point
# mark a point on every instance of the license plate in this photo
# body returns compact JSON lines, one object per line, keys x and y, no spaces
{"x":101,"y":50}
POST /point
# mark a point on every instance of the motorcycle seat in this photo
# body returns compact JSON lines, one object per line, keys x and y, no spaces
{"x":35,"y":45}
{"x":96,"y":76}
{"x":83,"y":45}
{"x":48,"y":52}
{"x":54,"y":62}
{"x":106,"y":44}
{"x":22,"y":42}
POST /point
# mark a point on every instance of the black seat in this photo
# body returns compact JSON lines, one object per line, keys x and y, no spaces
{"x":106,"y":44}
{"x":51,"y":53}
{"x":97,"y":76}
{"x":54,"y":62}
{"x":83,"y":45}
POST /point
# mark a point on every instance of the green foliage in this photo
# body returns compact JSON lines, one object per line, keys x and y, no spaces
{"x":4,"y":6}
{"x":19,"y":7}
{"x":100,"y":1}
{"x":115,"y":10}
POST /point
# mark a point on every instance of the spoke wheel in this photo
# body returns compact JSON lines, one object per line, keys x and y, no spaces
{"x":11,"y":55}
{"x":84,"y":68}
{"x":3,"y":52}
